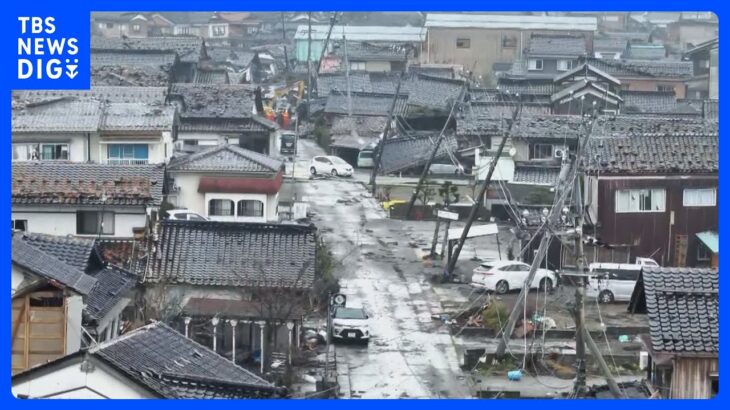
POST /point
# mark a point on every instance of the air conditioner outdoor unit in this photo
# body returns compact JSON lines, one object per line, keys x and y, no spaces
{"x":560,"y":152}
{"x":643,"y":360}
{"x":179,"y":145}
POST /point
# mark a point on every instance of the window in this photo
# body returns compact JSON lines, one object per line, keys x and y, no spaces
{"x":463,"y":43}
{"x":94,"y":223}
{"x":250,"y":207}
{"x":220,"y":207}
{"x":664,"y":88}
{"x":565,"y":65}
{"x":703,"y":253}
{"x":509,"y":41}
{"x":19,"y":225}
{"x":640,"y":200}
{"x":135,"y":27}
{"x":34,"y":152}
{"x":541,"y":151}
{"x":359,"y":65}
{"x":699,"y":197}
{"x":182,"y":30}
{"x":218,"y":31}
{"x":127,"y":153}
{"x":534,"y":64}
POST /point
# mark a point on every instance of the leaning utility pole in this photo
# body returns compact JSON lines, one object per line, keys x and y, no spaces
{"x":381,"y":144}
{"x":347,"y":74}
{"x":309,"y":63}
{"x":482,"y":191}
{"x":283,"y":36}
{"x":326,"y":43}
{"x":435,"y":150}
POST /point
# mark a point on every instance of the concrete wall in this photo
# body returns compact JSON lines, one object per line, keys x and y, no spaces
{"x":71,"y":382}
{"x":62,"y":221}
{"x":74,"y":308}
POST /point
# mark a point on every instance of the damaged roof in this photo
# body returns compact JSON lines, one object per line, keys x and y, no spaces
{"x":364,"y":51}
{"x":226,"y":158}
{"x":683,"y":306}
{"x":359,"y":82}
{"x":431,"y":92}
{"x":649,"y":101}
{"x":214,"y":100}
{"x":147,"y":95}
{"x":31,"y":257}
{"x":401,"y":153}
{"x":234,"y":254}
{"x":366,"y":104}
{"x":536,"y":174}
{"x":387,"y":34}
{"x":644,"y":68}
{"x":61,"y":114}
{"x":174,"y":366}
{"x":66,"y":183}
{"x":189,"y":49}
{"x":136,"y":117}
{"x":70,"y":249}
{"x":137,"y":76}
{"x":112,"y":285}
{"x":550,"y":45}
{"x":252,"y":124}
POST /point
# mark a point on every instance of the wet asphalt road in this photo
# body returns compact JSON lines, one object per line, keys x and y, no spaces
{"x":410,"y":355}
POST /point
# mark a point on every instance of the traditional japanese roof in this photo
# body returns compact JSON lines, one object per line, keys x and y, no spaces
{"x":359,"y":82}
{"x":401,"y":153}
{"x":551,"y":45}
{"x":147,"y":95}
{"x":682,"y":306}
{"x":57,"y":115}
{"x":649,"y":101}
{"x":189,"y":49}
{"x":32,"y":258}
{"x":134,"y":58}
{"x":431,"y":92}
{"x":432,"y":70}
{"x":137,"y":76}
{"x":356,"y":132}
{"x":387,"y":34}
{"x":645,"y":52}
{"x":214,"y":100}
{"x":211,"y":76}
{"x":515,"y":86}
{"x":112,"y":285}
{"x":553,"y":127}
{"x":580,"y":89}
{"x":226,"y":158}
{"x":610,"y":44}
{"x":644,"y":68}
{"x":364,"y":51}
{"x":366,"y":104}
{"x":233,"y":56}
{"x":66,"y":183}
{"x":252,"y":124}
{"x":136,"y":117}
{"x":234,"y":254}
{"x":536,"y":174}
{"x":69,"y":249}
{"x":587,"y":71}
{"x":667,"y":125}
{"x":175,"y":366}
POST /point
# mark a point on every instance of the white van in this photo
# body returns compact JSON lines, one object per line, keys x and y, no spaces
{"x":612,"y":282}
{"x":365,"y":158}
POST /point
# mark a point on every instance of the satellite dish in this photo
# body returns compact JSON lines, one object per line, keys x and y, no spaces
{"x":339,"y":299}
{"x":512,"y":151}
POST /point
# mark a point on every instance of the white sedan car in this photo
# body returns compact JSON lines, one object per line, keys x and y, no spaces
{"x":330,"y":165}
{"x":503,"y":276}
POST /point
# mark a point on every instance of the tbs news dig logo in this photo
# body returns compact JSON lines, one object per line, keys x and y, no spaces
{"x":41,"y":55}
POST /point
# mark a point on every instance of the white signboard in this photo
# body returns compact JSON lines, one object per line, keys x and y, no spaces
{"x":447,"y":215}
{"x":476,"y":230}
{"x":299,"y":210}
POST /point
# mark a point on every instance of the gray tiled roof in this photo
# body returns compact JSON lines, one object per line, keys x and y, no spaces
{"x":363,"y":126}
{"x":645,"y":52}
{"x":235,"y":254}
{"x":443,"y":72}
{"x":58,"y":115}
{"x":136,"y":117}
{"x":43,"y":264}
{"x":148,"y":95}
{"x":359,"y":81}
{"x":187,"y":48}
{"x":217,"y":76}
{"x":233,"y":56}
{"x":536,"y":175}
{"x":649,"y":101}
{"x":177,"y":367}
{"x":71,"y":250}
{"x":668,"y":125}
{"x":253,"y":124}
{"x":609,"y":44}
{"x":556,"y":45}
{"x":163,"y":60}
{"x":214,"y":100}
{"x":112,"y":284}
{"x":541,"y":87}
{"x":385,"y":82}
{"x":229,"y":158}
{"x":401,"y":153}
{"x":563,"y":127}
{"x":645,"y":68}
{"x":66,"y":183}
{"x":362,"y":51}
{"x":374,"y":104}
{"x":431,"y":92}
{"x":682,"y":306}
{"x":138,"y":76}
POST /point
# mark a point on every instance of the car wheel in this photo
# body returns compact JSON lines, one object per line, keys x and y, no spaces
{"x":502,"y":287}
{"x":334,"y":172}
{"x":546,"y":284}
{"x":605,"y":297}
{"x":313,"y":171}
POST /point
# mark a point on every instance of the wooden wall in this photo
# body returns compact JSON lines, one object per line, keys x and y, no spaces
{"x":691,"y":378}
{"x":38,"y":329}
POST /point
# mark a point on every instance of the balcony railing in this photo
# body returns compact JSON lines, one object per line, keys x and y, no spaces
{"x":117,"y":161}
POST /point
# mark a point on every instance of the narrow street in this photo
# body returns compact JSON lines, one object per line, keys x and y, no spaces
{"x":410,"y":355}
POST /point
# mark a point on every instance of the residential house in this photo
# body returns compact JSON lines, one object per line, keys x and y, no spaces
{"x":548,"y":55}
{"x":154,"y":361}
{"x":239,"y":288}
{"x":351,"y":134}
{"x":138,"y":68}
{"x":709,"y":253}
{"x":85,"y":199}
{"x":118,"y":25}
{"x":215,"y":114}
{"x":692,"y":30}
{"x":659,"y":176}
{"x":363,"y":104}
{"x":647,"y":75}
{"x":609,"y":47}
{"x":404,"y":153}
{"x":134,"y":133}
{"x":227,"y":183}
{"x":478,"y":41}
{"x":374,"y":35}
{"x":231,"y":28}
{"x":645,"y":51}
{"x":683,"y":341}
{"x":64,"y":297}
{"x":371,"y":57}
{"x":704,"y":58}
{"x":585,"y":89}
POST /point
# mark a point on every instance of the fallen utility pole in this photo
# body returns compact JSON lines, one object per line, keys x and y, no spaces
{"x":435,"y":150}
{"x":615,"y":390}
{"x":379,"y":147}
{"x":482,"y":191}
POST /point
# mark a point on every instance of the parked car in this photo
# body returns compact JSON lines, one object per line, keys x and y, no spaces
{"x":503,"y":276}
{"x":365,"y":158}
{"x":184,"y":215}
{"x":612,"y":282}
{"x":330,"y":165}
{"x":445,"y":169}
{"x":349,"y":323}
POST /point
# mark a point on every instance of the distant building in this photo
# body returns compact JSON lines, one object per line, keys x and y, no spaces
{"x":704,"y":84}
{"x":647,"y":75}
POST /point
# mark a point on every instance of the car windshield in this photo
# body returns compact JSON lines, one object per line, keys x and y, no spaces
{"x":349,"y":313}
{"x":487,"y":265}
{"x":338,"y":160}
